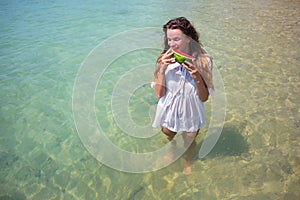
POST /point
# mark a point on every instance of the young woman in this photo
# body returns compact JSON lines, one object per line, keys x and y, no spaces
{"x":182,"y":88}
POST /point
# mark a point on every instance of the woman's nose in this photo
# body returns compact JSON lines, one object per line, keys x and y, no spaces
{"x":171,"y":44}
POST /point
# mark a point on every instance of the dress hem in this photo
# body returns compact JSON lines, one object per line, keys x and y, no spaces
{"x":180,"y":130}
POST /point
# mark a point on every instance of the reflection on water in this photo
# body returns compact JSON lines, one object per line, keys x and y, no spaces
{"x":255,"y":45}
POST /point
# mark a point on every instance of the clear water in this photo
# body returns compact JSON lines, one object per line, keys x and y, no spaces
{"x":255,"y":45}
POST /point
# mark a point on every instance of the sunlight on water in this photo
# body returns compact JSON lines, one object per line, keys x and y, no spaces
{"x":255,"y":46}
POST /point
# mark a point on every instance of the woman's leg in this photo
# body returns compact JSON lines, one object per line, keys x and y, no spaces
{"x":169,"y":156}
{"x":169,"y":133}
{"x":189,"y":139}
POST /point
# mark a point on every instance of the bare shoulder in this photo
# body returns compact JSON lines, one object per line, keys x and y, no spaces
{"x":206,"y":56}
{"x":206,"y":60}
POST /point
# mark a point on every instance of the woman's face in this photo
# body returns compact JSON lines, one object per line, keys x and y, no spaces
{"x":178,"y":40}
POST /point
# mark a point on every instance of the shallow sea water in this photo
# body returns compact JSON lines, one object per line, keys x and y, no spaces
{"x":255,"y":46}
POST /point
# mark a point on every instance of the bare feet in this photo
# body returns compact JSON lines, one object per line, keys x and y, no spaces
{"x":187,"y":170}
{"x":168,"y":158}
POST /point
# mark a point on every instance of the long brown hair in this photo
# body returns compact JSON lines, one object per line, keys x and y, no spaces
{"x":188,"y":29}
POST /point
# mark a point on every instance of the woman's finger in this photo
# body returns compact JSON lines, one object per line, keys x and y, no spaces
{"x":168,"y":61}
{"x":188,"y":65}
{"x":169,"y":51}
{"x":168,"y":54}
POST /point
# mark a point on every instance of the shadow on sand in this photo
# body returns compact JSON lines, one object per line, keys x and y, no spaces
{"x":230,"y":143}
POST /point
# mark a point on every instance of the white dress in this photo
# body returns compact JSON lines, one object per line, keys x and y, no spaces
{"x":180,"y":110}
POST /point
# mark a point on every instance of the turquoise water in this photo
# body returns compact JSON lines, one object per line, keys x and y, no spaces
{"x":255,"y":46}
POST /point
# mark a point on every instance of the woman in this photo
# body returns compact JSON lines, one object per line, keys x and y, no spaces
{"x":182,"y":88}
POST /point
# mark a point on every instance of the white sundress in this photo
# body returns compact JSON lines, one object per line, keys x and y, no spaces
{"x":180,"y":110}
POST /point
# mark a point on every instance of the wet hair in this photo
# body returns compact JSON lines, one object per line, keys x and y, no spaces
{"x":188,"y":29}
{"x":184,"y":25}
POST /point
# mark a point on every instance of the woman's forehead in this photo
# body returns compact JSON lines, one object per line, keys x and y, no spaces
{"x":172,"y":33}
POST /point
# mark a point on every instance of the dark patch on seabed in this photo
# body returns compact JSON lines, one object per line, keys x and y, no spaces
{"x":15,"y":196}
{"x":133,"y":194}
{"x":230,"y":143}
{"x":7,"y":159}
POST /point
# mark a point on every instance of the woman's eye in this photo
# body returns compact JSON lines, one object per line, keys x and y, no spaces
{"x":175,"y":39}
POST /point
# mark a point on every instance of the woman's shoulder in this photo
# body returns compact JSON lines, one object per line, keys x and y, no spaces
{"x":204,"y":60}
{"x":206,"y":56}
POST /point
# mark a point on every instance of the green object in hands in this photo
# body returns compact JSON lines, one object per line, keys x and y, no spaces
{"x":180,"y":57}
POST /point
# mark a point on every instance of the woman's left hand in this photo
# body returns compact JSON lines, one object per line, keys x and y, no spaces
{"x":195,"y":74}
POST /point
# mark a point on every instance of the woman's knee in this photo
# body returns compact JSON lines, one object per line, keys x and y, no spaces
{"x":190,"y":134}
{"x":189,"y":137}
{"x":167,"y":132}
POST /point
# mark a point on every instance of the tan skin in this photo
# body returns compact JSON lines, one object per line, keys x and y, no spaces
{"x":179,"y":41}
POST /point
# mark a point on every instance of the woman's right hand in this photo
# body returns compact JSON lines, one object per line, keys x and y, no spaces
{"x":160,"y":82}
{"x":167,"y":59}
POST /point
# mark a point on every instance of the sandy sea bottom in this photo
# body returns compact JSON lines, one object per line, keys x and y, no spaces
{"x":255,"y":48}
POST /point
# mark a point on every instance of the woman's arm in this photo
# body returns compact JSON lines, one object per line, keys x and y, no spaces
{"x":160,"y":79}
{"x":160,"y":83}
{"x":201,"y":87}
{"x":200,"y":84}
